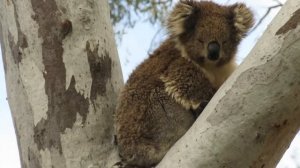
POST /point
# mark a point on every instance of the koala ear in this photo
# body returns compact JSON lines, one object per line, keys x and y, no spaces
{"x":242,"y":19}
{"x":181,"y":18}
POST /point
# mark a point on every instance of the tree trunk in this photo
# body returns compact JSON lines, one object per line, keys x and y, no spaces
{"x":63,"y":77}
{"x":254,"y":116}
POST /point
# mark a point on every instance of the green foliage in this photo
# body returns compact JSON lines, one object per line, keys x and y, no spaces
{"x":128,"y":12}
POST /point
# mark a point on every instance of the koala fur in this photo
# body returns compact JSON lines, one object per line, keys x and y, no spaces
{"x":164,"y":95}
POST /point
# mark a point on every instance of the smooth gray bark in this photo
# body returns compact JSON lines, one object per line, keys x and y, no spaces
{"x":63,"y":77}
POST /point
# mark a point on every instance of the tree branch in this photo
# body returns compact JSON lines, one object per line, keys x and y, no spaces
{"x":265,"y":15}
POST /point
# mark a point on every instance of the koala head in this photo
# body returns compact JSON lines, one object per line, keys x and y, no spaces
{"x":208,"y":33}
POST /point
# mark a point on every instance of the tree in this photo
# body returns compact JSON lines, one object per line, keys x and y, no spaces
{"x":63,"y":77}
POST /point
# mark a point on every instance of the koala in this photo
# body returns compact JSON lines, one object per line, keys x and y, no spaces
{"x":164,"y":95}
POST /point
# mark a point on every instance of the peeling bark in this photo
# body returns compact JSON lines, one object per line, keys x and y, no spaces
{"x":21,"y":41}
{"x":63,"y":77}
{"x":99,"y":66}
{"x":292,"y":23}
{"x":255,"y":115}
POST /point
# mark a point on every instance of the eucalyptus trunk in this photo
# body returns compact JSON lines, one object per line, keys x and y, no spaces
{"x":63,"y":76}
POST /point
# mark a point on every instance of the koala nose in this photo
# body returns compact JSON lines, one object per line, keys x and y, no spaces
{"x":213,"y":50}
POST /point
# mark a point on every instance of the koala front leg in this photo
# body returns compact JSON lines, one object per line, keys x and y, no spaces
{"x":187,"y":85}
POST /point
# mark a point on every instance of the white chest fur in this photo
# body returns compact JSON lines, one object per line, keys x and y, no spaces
{"x":218,"y":75}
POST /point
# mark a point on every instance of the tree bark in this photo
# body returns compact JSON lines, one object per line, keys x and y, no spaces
{"x":63,"y":77}
{"x":254,"y":116}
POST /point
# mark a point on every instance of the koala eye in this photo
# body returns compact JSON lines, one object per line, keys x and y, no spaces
{"x":201,"y":41}
{"x":224,"y":42}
